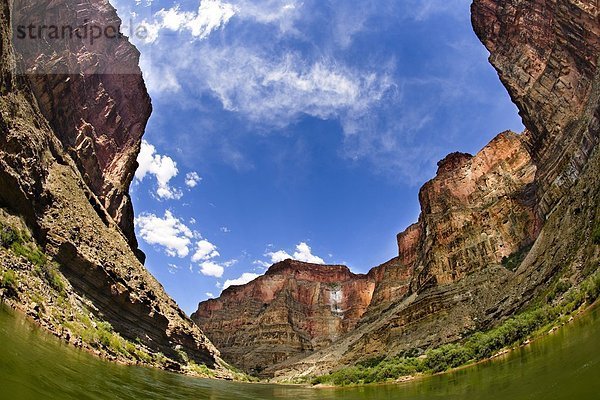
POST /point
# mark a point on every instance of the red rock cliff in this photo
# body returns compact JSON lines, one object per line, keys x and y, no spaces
{"x":70,"y":128}
{"x":475,"y":211}
{"x":91,"y":92}
{"x":294,"y":308}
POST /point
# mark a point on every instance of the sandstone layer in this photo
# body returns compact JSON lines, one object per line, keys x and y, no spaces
{"x":546,"y":54}
{"x":294,"y":308}
{"x":67,"y":151}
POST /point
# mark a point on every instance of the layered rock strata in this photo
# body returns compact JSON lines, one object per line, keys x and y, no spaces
{"x":294,"y":308}
{"x":546,"y":54}
{"x":476,"y":211}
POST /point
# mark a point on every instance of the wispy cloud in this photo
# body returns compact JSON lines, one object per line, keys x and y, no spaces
{"x":272,"y":62}
{"x":276,"y":90}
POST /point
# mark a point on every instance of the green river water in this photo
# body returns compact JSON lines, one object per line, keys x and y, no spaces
{"x":35,"y":365}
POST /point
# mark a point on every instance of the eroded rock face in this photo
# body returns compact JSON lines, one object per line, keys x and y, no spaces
{"x":294,"y":308}
{"x":546,"y":54}
{"x":49,"y":186}
{"x":477,"y":210}
{"x":90,"y":90}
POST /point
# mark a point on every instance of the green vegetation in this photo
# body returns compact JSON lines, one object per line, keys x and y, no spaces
{"x":513,"y":261}
{"x":478,"y":346}
{"x":561,"y":287}
{"x":101,"y":335}
{"x":22,"y":245}
{"x":9,"y":282}
{"x":8,"y":236}
{"x":30,"y":252}
{"x":49,"y":272}
{"x":201,"y":370}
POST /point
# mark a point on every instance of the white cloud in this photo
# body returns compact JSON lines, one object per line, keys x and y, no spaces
{"x":162,"y":167}
{"x":205,"y":254}
{"x":168,"y":232}
{"x":205,"y":251}
{"x":230,"y":263}
{"x":263,"y":69}
{"x":422,"y":10}
{"x":160,"y":78}
{"x":211,"y":15}
{"x":192,"y":179}
{"x":209,"y":295}
{"x":283,"y":14}
{"x":278,"y":256}
{"x":242,"y":280}
{"x":303,"y":253}
{"x":274,"y":90}
{"x":225,"y":229}
{"x":211,"y":268}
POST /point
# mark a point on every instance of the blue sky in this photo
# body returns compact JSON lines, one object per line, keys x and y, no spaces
{"x":298,"y":129}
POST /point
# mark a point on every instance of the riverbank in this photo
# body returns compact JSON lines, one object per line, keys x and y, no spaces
{"x":32,"y":284}
{"x":34,"y":364}
{"x":562,"y":304}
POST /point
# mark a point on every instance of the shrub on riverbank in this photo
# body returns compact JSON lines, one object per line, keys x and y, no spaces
{"x":9,"y":282}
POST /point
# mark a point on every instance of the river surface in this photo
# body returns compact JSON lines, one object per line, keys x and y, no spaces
{"x":35,"y":365}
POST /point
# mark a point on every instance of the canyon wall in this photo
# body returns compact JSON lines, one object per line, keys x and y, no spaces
{"x":68,"y":143}
{"x":476,"y":211}
{"x":497,"y":229}
{"x":294,"y":308}
{"x":546,"y":54}
{"x":91,"y":92}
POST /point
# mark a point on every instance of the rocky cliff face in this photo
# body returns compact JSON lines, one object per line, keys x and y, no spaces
{"x":67,"y":150}
{"x":294,"y":308}
{"x":476,"y":211}
{"x":546,"y":54}
{"x":499,"y":228}
{"x":91,"y":92}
